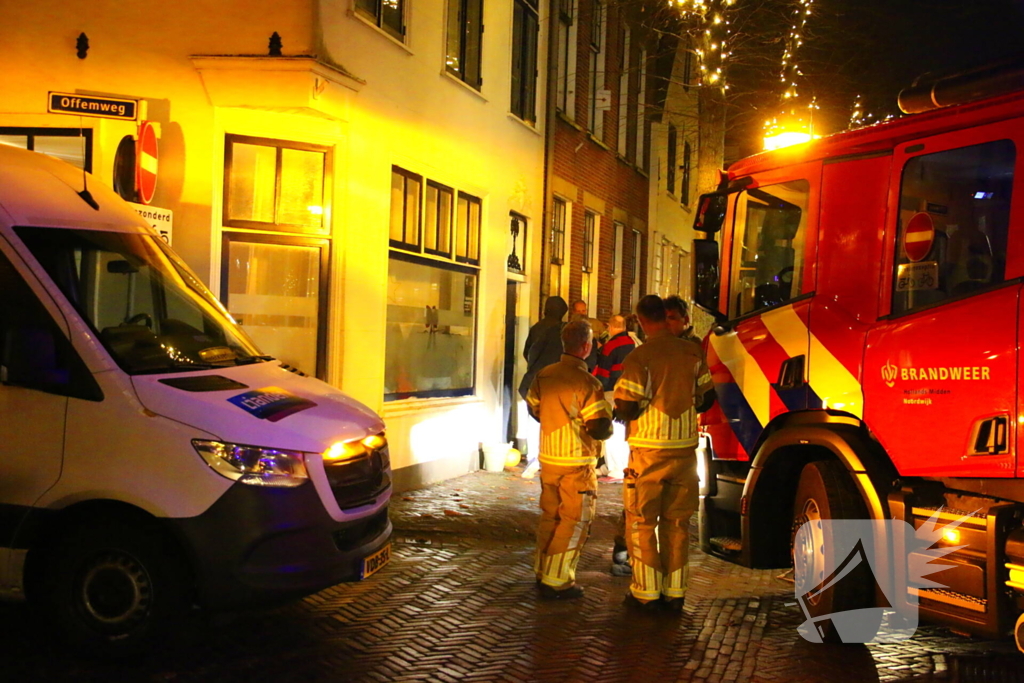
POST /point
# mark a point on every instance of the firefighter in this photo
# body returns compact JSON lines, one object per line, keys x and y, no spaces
{"x":656,"y":394}
{"x":569,"y":404}
{"x":677,"y":317}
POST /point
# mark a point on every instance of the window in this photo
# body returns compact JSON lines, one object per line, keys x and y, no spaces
{"x":437,"y":229}
{"x":687,"y":64}
{"x":524,"y":60}
{"x":595,"y":117}
{"x":641,"y":114}
{"x":558,"y":231}
{"x":670,"y":164}
{"x":768,"y":249}
{"x":684,"y":189}
{"x":467,"y":229}
{"x":634,"y":270}
{"x":953,"y":224}
{"x":556,"y":246}
{"x":275,"y":287}
{"x":406,"y":193}
{"x":617,"y":265}
{"x":624,"y":37}
{"x":275,"y":185}
{"x":431,"y":327}
{"x":590,"y":221}
{"x":517,"y":243}
{"x":591,"y":224}
{"x":73,"y":145}
{"x":566,"y":56}
{"x":659,"y":265}
{"x":387,"y":14}
{"x":465,"y":40}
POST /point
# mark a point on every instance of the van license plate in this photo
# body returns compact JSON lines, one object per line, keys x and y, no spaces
{"x":374,"y":562}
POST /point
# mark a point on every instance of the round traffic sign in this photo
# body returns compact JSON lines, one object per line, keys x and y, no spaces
{"x":919,"y":236}
{"x":146,"y":162}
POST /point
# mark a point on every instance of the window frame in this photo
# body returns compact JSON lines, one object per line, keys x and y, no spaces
{"x":565,"y":46}
{"x":278,"y":145}
{"x":32,"y":132}
{"x":525,"y":50}
{"x":591,"y":224}
{"x":469,"y":258}
{"x":376,"y":17}
{"x":466,"y":32}
{"x":595,"y":117}
{"x":323,"y":290}
{"x":670,"y":159}
{"x":684,"y":188}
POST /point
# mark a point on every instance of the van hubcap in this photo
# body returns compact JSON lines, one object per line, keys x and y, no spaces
{"x":809,"y":554}
{"x":116,"y":589}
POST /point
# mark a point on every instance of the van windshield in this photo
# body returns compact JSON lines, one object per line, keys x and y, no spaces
{"x":147,"y":307}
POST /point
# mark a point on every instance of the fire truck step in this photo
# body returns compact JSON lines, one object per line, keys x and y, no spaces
{"x":953,"y":598}
{"x":730,"y":545}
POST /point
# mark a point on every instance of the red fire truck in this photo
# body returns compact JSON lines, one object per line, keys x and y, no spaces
{"x":866,"y":289}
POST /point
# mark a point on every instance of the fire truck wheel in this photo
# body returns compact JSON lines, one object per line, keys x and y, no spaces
{"x":826,"y":492}
{"x":111,"y":588}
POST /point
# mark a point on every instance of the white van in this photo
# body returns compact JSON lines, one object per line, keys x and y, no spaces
{"x":151,"y":458}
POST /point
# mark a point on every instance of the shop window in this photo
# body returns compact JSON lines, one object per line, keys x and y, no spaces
{"x":465,"y":39}
{"x":275,"y":287}
{"x":431,"y":328}
{"x":388,"y":15}
{"x":768,"y":249}
{"x":954,"y":219}
{"x":275,"y":185}
{"x":524,"y":60}
{"x":73,"y":145}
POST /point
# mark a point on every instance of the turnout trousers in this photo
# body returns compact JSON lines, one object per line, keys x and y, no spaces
{"x":660,"y":493}
{"x":568,"y":500}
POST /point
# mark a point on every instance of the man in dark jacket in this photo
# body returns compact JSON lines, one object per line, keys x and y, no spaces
{"x":543,"y":348}
{"x":544,"y":342}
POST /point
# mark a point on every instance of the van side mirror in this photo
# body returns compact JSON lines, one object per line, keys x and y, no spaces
{"x":711,"y":210}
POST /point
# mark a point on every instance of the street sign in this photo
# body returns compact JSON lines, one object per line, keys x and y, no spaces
{"x":162,"y":220}
{"x":919,"y":237}
{"x":101,"y":107}
{"x":146,"y":162}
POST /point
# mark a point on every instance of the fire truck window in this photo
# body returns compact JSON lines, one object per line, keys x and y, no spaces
{"x":953,"y":222}
{"x":768,"y":251}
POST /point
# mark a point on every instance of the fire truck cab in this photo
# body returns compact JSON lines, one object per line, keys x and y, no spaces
{"x":866,"y":294}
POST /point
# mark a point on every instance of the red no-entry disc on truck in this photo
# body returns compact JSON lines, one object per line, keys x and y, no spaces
{"x":919,"y":236}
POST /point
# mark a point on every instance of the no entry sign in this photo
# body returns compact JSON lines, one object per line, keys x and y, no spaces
{"x":146,"y":162}
{"x":919,"y":237}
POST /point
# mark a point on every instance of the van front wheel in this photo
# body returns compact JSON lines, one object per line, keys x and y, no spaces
{"x":112,"y":588}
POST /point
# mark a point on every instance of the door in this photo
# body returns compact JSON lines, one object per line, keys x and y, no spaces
{"x":758,"y":360}
{"x":32,"y":410}
{"x":940,"y":372}
{"x":508,"y":380}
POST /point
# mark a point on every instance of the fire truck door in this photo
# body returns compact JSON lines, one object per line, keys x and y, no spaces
{"x":940,"y":371}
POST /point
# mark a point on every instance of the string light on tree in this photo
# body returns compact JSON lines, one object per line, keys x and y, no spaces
{"x":712,"y":33}
{"x":795,"y":122}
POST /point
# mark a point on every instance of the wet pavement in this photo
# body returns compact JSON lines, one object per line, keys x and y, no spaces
{"x":458,"y":603}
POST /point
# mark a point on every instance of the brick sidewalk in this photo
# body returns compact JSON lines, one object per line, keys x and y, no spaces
{"x":458,"y":603}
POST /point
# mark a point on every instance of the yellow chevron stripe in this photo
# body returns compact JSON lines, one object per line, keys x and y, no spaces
{"x":747,"y":374}
{"x":631,"y":387}
{"x":595,"y":408}
{"x":829,"y":378}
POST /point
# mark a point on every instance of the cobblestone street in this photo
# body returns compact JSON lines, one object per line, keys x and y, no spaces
{"x":458,"y":602}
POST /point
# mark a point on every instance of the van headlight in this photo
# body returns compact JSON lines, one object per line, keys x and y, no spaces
{"x":254,"y":465}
